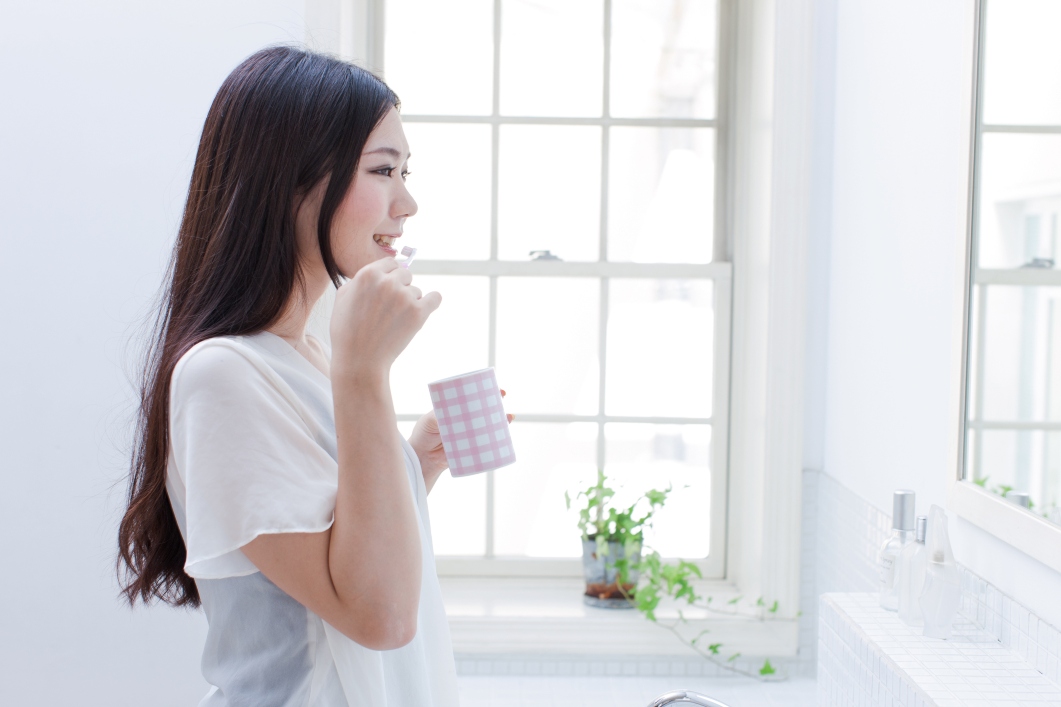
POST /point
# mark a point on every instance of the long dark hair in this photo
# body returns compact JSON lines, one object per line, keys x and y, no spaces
{"x":282,"y":121}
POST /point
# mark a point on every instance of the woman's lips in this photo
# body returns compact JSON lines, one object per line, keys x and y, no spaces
{"x":381,"y":241}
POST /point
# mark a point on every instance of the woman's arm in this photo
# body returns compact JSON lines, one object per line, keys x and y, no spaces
{"x":362,"y":575}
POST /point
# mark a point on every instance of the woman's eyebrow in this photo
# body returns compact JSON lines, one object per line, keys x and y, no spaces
{"x":390,"y":151}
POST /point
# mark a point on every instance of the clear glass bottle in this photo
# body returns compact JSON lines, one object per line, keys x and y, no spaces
{"x":943,"y":587}
{"x":910,"y":577}
{"x":887,"y":558}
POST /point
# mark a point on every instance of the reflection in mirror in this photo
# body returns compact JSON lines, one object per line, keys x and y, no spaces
{"x":1013,"y":385}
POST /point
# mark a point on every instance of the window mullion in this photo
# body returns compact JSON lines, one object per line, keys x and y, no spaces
{"x":495,"y":142}
{"x":602,"y":255}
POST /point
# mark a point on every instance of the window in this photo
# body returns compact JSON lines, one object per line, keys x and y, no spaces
{"x":564,"y":163}
{"x":1013,"y":400}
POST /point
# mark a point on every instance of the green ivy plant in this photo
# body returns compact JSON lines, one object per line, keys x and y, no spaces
{"x":602,"y":522}
{"x":658,"y":580}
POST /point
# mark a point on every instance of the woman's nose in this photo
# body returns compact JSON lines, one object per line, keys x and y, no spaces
{"x":406,"y":205}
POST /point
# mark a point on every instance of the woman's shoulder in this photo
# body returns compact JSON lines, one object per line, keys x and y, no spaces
{"x":218,"y":362}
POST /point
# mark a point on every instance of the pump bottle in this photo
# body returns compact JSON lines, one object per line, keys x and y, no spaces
{"x":887,"y":558}
{"x":910,"y":577}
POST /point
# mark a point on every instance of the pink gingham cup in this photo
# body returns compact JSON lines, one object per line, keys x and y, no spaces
{"x":472,"y":422}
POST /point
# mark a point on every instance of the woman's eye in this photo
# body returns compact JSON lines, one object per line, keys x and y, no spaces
{"x":388,"y":171}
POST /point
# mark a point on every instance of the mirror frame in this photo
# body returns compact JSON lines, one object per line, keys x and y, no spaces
{"x":1013,"y":524}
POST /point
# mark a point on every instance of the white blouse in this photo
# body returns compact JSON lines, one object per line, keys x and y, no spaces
{"x":252,"y":439}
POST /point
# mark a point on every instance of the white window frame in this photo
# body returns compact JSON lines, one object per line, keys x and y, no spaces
{"x":719,"y":273}
{"x":769,"y":94}
{"x":1011,"y":523}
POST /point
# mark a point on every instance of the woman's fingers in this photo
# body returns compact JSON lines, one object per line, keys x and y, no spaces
{"x":431,"y":301}
{"x":404,"y":276}
{"x":510,"y":416}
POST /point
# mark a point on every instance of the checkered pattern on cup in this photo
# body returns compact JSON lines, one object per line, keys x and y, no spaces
{"x":472,"y":422}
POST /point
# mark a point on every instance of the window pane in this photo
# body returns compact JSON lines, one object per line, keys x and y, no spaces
{"x":549,"y":192}
{"x":450,"y":180}
{"x":1020,"y":196}
{"x":552,"y":57}
{"x":661,"y":198}
{"x":530,"y":516}
{"x":660,"y":348}
{"x":664,"y":58}
{"x":453,"y":341}
{"x":458,"y":511}
{"x":643,"y":457}
{"x":547,"y":350}
{"x":1023,"y":461}
{"x":1022,"y":354}
{"x":1017,"y":382}
{"x":1022,"y":62}
{"x":440,"y":55}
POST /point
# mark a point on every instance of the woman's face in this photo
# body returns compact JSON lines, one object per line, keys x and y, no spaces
{"x":372,"y":215}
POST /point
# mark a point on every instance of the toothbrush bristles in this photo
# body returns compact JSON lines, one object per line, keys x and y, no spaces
{"x":409,"y":254}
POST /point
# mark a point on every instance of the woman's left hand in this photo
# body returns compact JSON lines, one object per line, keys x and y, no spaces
{"x":427,"y":443}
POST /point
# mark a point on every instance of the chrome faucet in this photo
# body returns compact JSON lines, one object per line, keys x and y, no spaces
{"x":685,"y":697}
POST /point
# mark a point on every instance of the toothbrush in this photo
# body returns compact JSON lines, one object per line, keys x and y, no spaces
{"x":410,"y":254}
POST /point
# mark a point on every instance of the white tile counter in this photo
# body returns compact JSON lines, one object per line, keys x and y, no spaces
{"x":866,"y":656}
{"x":508,"y":691}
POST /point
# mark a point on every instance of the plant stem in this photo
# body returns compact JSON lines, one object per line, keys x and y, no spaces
{"x":724,"y":664}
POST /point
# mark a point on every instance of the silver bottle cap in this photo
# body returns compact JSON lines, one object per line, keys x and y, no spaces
{"x":1020,"y":498}
{"x":903,"y":510}
{"x":922,"y":529}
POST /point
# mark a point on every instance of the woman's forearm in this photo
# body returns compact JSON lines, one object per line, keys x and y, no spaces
{"x":374,"y":553}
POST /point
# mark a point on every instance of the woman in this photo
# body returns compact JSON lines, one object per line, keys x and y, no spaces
{"x":269,"y":482}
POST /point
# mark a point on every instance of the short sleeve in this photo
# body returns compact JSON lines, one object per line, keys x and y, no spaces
{"x":247,"y":456}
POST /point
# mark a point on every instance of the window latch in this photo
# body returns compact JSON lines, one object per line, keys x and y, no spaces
{"x":543,"y":255}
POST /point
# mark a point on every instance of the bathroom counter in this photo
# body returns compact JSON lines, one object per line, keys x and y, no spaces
{"x":866,"y":655}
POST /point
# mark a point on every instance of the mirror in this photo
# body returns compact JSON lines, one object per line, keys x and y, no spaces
{"x":1012,"y":444}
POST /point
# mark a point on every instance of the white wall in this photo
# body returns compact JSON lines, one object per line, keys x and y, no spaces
{"x":102,"y":106}
{"x":898,"y":198}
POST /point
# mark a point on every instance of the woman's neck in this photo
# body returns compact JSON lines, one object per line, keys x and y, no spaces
{"x":291,"y":325}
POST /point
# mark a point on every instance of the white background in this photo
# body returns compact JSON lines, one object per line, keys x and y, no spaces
{"x":102,"y":106}
{"x":101,"y":109}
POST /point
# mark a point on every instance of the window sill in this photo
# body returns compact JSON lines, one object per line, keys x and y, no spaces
{"x":494,"y":616}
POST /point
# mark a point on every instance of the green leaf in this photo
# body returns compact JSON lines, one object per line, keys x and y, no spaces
{"x":767,"y":669}
{"x":735,"y":599}
{"x":760,"y":602}
{"x":982,"y":483}
{"x":773,"y":608}
{"x":733,"y":657}
{"x":714,"y":648}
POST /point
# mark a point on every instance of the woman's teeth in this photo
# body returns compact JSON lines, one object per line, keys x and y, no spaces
{"x":386,"y":241}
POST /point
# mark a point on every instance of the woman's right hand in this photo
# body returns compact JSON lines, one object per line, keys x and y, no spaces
{"x":376,"y":315}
